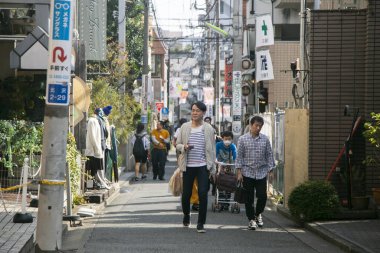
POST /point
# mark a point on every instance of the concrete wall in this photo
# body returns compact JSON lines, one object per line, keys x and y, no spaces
{"x":296,"y":149}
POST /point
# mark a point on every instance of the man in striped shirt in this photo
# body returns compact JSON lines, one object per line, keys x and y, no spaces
{"x":253,"y":163}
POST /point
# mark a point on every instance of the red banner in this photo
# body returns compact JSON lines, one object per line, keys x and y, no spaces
{"x":228,"y":68}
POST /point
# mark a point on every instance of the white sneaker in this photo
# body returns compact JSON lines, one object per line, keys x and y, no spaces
{"x":259,"y":221}
{"x":252,"y":225}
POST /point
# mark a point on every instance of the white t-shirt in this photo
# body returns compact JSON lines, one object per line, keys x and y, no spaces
{"x":177,"y":132}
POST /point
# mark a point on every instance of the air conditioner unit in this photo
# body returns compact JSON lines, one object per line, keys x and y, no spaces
{"x":349,"y":4}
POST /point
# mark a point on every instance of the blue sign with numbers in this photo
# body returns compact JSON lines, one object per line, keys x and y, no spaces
{"x":58,"y":94}
{"x":165,"y":111}
{"x":61,"y":20}
{"x":144,"y":119}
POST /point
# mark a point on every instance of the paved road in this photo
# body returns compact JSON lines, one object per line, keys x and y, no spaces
{"x":146,"y":218}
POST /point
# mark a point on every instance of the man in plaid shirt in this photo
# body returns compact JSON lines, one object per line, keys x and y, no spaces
{"x":253,"y":163}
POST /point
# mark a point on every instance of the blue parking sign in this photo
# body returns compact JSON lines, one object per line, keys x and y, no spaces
{"x":58,"y":94}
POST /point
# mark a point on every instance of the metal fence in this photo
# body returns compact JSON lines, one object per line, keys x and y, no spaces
{"x":12,"y":180}
{"x":274,"y":128}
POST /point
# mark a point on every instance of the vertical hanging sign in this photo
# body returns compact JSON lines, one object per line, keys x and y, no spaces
{"x":264,"y":67}
{"x":236,"y":102}
{"x":264,"y":31}
{"x":228,"y":77}
{"x":59,"y":67}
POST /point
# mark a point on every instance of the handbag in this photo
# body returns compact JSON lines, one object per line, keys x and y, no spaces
{"x":226,"y":181}
{"x":175,"y":183}
{"x":194,"y":199}
{"x":240,"y":193}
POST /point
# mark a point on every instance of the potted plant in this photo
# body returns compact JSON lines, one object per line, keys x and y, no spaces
{"x":372,"y":135}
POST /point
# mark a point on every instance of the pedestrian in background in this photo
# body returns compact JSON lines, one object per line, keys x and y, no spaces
{"x":253,"y":163}
{"x":160,"y":137}
{"x":180,"y":123}
{"x":141,"y":146}
{"x":216,"y":131}
{"x":166,"y":126}
{"x":196,"y":145}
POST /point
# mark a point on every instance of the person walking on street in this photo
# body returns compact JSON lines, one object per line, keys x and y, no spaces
{"x":196,"y":145}
{"x":253,"y":163}
{"x":141,"y":146}
{"x":160,"y":137}
{"x":194,"y":196}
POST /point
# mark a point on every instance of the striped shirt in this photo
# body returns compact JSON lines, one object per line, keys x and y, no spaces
{"x":196,"y":157}
{"x":254,"y":156}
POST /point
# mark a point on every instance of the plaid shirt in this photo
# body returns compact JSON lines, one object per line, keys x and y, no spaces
{"x":254,"y":156}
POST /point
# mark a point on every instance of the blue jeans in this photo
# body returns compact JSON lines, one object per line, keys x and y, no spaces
{"x":201,"y":173}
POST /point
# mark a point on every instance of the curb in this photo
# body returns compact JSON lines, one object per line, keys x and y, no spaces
{"x":123,"y":181}
{"x":324,"y":233}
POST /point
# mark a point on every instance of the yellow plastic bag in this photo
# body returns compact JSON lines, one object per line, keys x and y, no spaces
{"x":194,"y":194}
{"x":175,"y":183}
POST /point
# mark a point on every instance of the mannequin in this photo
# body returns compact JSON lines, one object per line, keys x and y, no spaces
{"x":114,"y":153}
{"x":103,"y":137}
{"x":107,"y":166}
{"x":94,"y":151}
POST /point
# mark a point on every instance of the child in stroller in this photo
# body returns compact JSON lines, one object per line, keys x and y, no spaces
{"x":225,"y":154}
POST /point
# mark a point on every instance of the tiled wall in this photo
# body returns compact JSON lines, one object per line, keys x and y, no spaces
{"x":280,"y":89}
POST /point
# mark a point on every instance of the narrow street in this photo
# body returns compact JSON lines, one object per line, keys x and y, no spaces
{"x":145,"y":217}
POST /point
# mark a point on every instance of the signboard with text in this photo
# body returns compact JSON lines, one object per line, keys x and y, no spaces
{"x":228,"y":78}
{"x":93,"y":27}
{"x":236,"y":102}
{"x":59,"y":62}
{"x":264,"y":31}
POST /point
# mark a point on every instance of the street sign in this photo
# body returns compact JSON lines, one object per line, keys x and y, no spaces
{"x":144,"y":119}
{"x":58,"y":94}
{"x":165,"y":111}
{"x":159,"y":105}
{"x":236,"y":92}
{"x":59,"y":65}
{"x":236,"y":128}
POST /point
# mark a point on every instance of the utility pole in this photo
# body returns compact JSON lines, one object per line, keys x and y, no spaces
{"x":56,"y":126}
{"x":168,"y":81}
{"x":302,"y":53}
{"x":145,"y":76}
{"x":121,"y":36}
{"x":217,"y":67}
{"x":237,"y":57}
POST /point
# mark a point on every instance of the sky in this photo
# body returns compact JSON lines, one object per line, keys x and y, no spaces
{"x":178,"y":15}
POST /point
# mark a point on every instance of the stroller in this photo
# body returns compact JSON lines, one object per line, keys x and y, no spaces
{"x":224,"y":189}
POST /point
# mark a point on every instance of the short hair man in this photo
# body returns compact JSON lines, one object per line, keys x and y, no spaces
{"x":253,"y":163}
{"x":160,"y":137}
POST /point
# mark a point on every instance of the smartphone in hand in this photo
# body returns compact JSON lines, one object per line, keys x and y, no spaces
{"x":190,"y":147}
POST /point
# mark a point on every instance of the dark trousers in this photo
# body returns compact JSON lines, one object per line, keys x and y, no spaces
{"x":260,"y":187}
{"x":189,"y":175}
{"x":158,"y":161}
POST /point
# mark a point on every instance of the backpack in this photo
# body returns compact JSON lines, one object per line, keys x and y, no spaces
{"x":138,"y":147}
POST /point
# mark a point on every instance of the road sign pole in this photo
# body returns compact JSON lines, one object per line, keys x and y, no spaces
{"x":50,"y":207}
